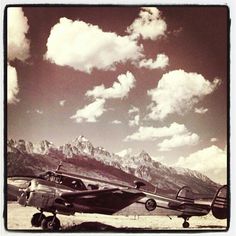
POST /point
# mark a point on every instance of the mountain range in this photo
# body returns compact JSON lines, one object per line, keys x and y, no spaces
{"x":82,"y":157}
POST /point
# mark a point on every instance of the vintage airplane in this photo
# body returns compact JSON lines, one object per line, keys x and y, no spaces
{"x":185,"y":206}
{"x":61,"y":193}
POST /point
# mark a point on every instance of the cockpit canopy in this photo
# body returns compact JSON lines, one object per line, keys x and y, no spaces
{"x":68,"y":181}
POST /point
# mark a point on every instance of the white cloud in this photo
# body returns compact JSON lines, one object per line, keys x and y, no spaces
{"x":62,"y":102}
{"x":214,"y":140}
{"x":200,"y":110}
{"x":177,"y":92}
{"x":186,"y":139}
{"x":91,"y":112}
{"x":152,"y":133}
{"x":135,"y":117}
{"x":149,"y":24}
{"x":161,"y":62}
{"x":125,"y":152}
{"x":119,"y":89}
{"x":12,"y":85}
{"x":135,"y":121}
{"x":116,"y":122}
{"x":211,"y":161}
{"x":133,"y":109}
{"x":85,"y":47}
{"x":17,"y":28}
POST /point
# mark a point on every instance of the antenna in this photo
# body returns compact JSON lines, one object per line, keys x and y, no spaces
{"x":59,"y":166}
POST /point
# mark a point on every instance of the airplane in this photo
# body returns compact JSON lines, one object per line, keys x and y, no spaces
{"x":58,"y":192}
{"x":185,"y":206}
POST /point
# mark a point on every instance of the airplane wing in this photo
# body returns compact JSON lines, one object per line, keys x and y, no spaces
{"x":104,"y":201}
{"x":77,"y":194}
{"x":185,"y":204}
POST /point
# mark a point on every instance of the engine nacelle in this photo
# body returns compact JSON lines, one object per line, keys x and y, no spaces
{"x":150,"y":204}
{"x":36,"y":196}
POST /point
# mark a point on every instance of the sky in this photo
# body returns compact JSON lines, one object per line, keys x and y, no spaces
{"x":127,"y":78}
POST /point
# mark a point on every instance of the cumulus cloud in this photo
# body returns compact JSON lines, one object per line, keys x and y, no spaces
{"x":12,"y":85}
{"x":125,"y":152}
{"x":133,"y":109}
{"x":178,"y":92}
{"x":148,"y":25}
{"x":211,"y":161}
{"x":85,"y":47}
{"x":134,"y":121}
{"x":134,"y":116}
{"x":119,"y":89}
{"x":116,"y":122}
{"x":90,"y":112}
{"x":94,"y":110}
{"x":161,"y":61}
{"x":62,"y":102}
{"x":200,"y":110}
{"x":186,"y":139}
{"x":17,"y":28}
{"x":153,"y":133}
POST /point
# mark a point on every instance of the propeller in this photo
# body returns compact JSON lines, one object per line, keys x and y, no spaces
{"x":24,"y":197}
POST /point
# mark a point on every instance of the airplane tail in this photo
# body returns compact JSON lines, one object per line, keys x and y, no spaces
{"x":219,"y":203}
{"x":185,"y":194}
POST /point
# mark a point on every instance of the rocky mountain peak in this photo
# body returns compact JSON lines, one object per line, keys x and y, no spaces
{"x":101,"y":152}
{"x":46,"y":146}
{"x":78,"y":146}
{"x":140,"y":165}
{"x":80,"y":139}
{"x":145,"y":156}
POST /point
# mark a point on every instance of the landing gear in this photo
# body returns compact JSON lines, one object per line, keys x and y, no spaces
{"x":51,"y":223}
{"x":37,"y":219}
{"x":185,"y":224}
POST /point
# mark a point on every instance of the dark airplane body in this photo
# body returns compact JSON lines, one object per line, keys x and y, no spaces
{"x":61,"y":193}
{"x":185,"y":206}
{"x":68,"y":197}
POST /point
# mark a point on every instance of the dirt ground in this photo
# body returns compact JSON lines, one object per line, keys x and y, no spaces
{"x":18,"y":218}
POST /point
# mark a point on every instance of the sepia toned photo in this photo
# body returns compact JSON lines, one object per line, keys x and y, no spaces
{"x":116,"y":118}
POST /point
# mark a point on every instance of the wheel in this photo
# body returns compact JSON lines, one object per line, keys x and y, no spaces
{"x":37,"y":219}
{"x":51,"y":223}
{"x":185,"y":224}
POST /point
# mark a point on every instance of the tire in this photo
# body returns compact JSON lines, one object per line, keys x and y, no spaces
{"x":51,"y":223}
{"x":185,"y":225}
{"x":37,"y":219}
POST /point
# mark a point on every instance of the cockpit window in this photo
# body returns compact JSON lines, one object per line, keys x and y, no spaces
{"x":76,"y":184}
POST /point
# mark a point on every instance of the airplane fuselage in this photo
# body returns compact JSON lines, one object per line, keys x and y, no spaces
{"x":46,"y":196}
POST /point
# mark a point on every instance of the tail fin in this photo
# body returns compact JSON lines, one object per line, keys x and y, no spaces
{"x":219,"y":204}
{"x":185,"y":194}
